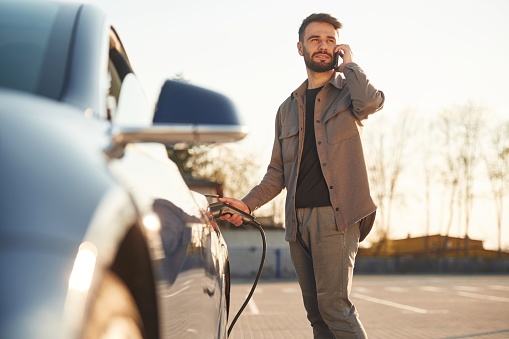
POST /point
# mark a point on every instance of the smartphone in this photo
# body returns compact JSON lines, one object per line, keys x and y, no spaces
{"x":336,"y":60}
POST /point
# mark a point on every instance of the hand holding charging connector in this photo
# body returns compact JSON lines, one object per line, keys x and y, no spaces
{"x":219,"y":209}
{"x":238,"y":214}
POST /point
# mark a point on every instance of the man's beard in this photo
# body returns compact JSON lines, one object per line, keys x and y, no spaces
{"x":318,"y":67}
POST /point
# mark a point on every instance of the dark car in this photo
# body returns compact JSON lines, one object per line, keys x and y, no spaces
{"x":100,"y":237}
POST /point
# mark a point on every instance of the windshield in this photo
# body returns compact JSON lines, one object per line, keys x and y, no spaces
{"x":34,"y":44}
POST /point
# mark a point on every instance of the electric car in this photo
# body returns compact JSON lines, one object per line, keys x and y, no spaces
{"x":99,"y":235}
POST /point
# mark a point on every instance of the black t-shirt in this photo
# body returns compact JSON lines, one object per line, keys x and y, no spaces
{"x":312,"y":189}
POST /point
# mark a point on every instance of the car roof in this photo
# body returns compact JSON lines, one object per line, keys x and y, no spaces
{"x":35,"y":45}
{"x":58,"y":50}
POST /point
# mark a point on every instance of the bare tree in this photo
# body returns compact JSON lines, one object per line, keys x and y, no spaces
{"x":496,"y":160}
{"x":429,"y":168}
{"x":462,"y":131}
{"x":450,"y":173}
{"x":387,"y":146}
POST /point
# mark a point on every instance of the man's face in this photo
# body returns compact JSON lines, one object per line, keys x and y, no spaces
{"x":317,"y":47}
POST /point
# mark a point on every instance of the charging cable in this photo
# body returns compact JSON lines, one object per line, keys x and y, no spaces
{"x":218,"y":209}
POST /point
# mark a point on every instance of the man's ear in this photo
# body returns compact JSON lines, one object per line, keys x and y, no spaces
{"x":299,"y":47}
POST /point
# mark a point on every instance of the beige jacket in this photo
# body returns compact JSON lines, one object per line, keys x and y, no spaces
{"x":340,"y":108}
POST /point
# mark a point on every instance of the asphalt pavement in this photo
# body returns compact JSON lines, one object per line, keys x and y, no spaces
{"x":390,"y":307}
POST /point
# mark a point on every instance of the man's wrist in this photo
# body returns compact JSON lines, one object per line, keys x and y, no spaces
{"x":248,"y":208}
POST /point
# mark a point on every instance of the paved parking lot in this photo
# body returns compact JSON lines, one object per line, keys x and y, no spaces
{"x":391,"y":307}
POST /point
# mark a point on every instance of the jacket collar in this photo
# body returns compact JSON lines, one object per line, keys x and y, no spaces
{"x":336,"y":80}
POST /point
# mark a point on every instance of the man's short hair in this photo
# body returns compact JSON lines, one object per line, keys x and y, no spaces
{"x":318,"y":17}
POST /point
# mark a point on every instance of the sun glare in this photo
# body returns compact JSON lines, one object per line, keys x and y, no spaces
{"x":83,"y":269}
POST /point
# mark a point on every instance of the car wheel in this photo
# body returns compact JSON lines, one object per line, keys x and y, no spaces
{"x":113,"y":312}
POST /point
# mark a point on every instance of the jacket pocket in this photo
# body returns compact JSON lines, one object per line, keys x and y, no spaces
{"x":289,"y":139}
{"x":341,"y":126}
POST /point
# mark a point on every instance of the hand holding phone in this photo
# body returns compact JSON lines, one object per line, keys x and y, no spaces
{"x":344,"y":52}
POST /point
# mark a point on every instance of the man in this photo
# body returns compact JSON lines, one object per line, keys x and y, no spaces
{"x":317,"y":156}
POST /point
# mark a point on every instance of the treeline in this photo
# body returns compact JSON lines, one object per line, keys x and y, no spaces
{"x":462,"y":152}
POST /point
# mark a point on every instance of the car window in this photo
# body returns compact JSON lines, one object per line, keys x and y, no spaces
{"x":118,"y":68}
{"x":34,"y":45}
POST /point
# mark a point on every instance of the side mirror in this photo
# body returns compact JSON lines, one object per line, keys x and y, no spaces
{"x":209,"y":115}
{"x":183,"y":103}
{"x":185,"y":115}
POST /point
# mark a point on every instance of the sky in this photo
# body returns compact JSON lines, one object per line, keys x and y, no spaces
{"x":424,"y":55}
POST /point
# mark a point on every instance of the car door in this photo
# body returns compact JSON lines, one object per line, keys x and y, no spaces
{"x":181,"y":237}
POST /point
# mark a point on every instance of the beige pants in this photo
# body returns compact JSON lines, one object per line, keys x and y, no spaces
{"x":324,"y":260}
